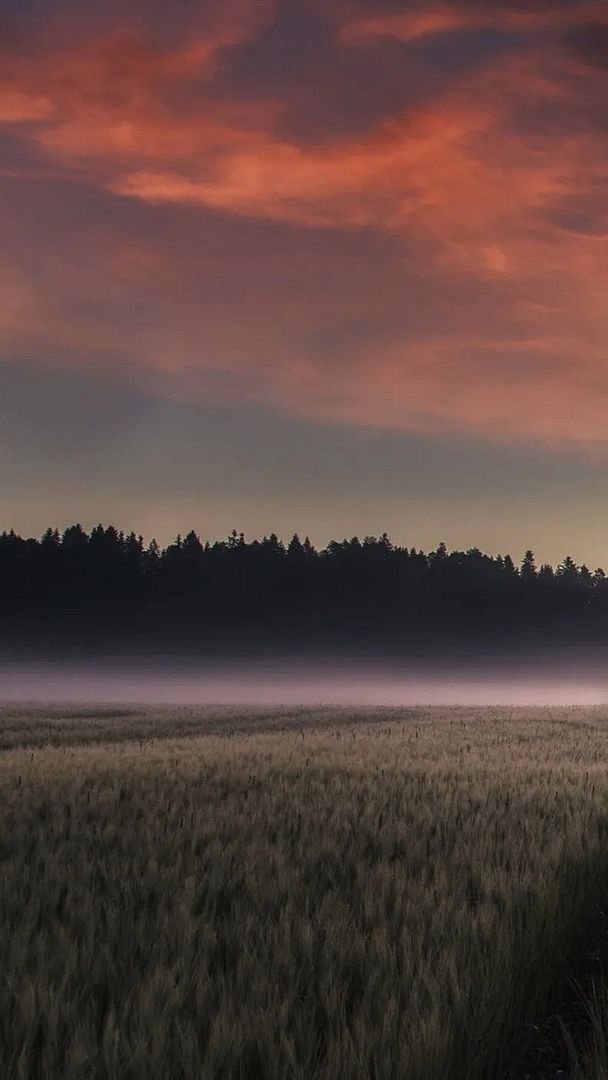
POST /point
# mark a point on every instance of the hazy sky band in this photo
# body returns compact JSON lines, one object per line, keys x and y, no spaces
{"x":342,"y":231}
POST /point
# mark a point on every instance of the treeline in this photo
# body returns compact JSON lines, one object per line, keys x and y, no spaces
{"x":105,"y":587}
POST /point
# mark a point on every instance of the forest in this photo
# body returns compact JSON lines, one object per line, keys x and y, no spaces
{"x":104,"y":587}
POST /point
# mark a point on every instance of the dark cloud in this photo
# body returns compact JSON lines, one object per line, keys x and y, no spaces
{"x":374,"y":8}
{"x":580,"y":214}
{"x":228,"y":446}
{"x":328,"y":91}
{"x":590,"y":43}
{"x":524,"y":7}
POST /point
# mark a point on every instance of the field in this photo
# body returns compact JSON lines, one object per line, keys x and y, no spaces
{"x":300,"y":894}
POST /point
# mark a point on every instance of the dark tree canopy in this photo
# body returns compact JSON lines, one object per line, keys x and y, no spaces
{"x":108,"y":588}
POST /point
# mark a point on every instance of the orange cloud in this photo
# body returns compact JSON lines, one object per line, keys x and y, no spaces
{"x":466,"y":183}
{"x":454,"y":168}
{"x":428,"y":20}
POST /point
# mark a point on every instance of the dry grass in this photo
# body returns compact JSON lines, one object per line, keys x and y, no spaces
{"x":293,"y":894}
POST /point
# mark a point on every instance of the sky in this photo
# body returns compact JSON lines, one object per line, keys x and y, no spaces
{"x":328,"y":266}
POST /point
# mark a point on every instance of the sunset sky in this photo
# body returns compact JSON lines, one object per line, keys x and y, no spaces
{"x":326,"y":266}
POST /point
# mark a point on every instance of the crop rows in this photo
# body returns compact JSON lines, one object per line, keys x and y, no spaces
{"x":397,"y":893}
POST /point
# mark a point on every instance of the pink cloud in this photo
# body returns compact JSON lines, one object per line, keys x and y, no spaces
{"x":426,"y":20}
{"x":470,"y":191}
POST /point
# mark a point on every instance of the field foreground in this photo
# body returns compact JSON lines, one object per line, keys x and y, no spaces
{"x":294,"y":894}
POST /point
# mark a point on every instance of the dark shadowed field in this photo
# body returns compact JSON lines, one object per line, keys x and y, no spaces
{"x":297,"y":893}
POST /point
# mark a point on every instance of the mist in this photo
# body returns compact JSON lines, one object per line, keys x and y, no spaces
{"x":572,"y":679}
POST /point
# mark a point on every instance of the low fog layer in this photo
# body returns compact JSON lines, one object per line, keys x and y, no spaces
{"x":566,"y":681}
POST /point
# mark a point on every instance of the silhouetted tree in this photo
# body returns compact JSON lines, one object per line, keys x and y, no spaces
{"x":528,"y":567}
{"x":80,"y":587}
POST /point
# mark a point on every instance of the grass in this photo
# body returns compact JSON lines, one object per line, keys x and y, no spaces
{"x":294,"y":894}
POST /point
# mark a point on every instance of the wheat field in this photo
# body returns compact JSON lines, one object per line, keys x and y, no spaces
{"x":296,"y":893}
